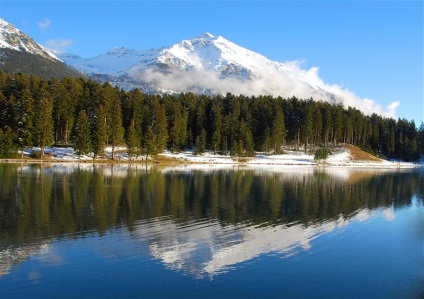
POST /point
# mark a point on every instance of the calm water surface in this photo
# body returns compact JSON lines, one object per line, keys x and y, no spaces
{"x":77,"y":231}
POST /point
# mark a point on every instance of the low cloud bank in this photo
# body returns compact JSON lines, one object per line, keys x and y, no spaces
{"x":288,"y":80}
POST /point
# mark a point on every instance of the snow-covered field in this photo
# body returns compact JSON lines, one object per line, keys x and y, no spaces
{"x":341,"y":157}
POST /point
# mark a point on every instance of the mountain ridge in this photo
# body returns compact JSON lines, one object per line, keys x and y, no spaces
{"x":205,"y":64}
{"x":19,"y":53}
{"x":14,"y":39}
{"x":208,"y":63}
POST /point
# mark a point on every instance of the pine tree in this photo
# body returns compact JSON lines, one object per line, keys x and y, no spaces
{"x":99,"y":132}
{"x":7,"y":144}
{"x":82,"y":136}
{"x":178,"y":132}
{"x":133,"y":141}
{"x":216,"y":140}
{"x":116,"y":130}
{"x":63,"y":111}
{"x":337,"y":124}
{"x":201,"y":143}
{"x":150,"y":143}
{"x":237,"y":148}
{"x":43,"y":124}
{"x":24,"y":114}
{"x":247,"y":139}
{"x":317,"y":126}
{"x":217,"y":126}
{"x":278,"y":132}
{"x":158,"y":124}
{"x":327,"y":123}
{"x":420,"y":140}
{"x":307,"y":121}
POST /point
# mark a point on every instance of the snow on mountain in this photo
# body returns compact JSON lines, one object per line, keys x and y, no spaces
{"x":212,"y":64}
{"x":14,"y":39}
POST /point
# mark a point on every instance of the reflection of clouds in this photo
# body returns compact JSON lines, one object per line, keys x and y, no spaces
{"x":34,"y":277}
{"x":209,"y":248}
{"x":49,"y":257}
{"x":389,"y":214}
{"x":364,"y":215}
{"x":12,"y":256}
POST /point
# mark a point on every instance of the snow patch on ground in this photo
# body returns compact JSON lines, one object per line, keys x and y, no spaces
{"x":340,"y":157}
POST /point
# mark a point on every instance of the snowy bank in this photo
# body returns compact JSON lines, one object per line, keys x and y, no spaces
{"x":340,"y":157}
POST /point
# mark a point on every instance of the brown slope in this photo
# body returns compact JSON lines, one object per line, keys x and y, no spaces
{"x":360,"y":155}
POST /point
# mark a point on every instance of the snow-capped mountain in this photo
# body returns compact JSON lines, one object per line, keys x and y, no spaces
{"x":14,"y":39}
{"x":206,"y":63}
{"x":19,"y":53}
{"x":214,"y":65}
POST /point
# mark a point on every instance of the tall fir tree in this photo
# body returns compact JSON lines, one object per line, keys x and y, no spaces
{"x":99,"y":132}
{"x":82,"y":136}
{"x":24,"y":115}
{"x":150,"y":147}
{"x":8,"y":147}
{"x":43,"y":124}
{"x":278,"y":131}
{"x":133,"y":141}
{"x":115,"y":130}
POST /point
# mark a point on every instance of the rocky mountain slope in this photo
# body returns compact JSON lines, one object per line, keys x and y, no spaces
{"x":20,"y":53}
{"x":206,"y":64}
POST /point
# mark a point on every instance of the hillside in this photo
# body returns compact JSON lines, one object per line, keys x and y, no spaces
{"x":19,"y":53}
{"x":358,"y":155}
{"x":12,"y":62}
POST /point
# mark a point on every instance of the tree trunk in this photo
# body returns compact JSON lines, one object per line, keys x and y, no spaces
{"x":42,"y":152}
{"x":306,"y":144}
{"x":65,"y":137}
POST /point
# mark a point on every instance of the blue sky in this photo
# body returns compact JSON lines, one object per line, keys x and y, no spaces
{"x":373,"y":48}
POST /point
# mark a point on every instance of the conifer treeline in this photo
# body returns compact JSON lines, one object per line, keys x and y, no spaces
{"x":89,"y":116}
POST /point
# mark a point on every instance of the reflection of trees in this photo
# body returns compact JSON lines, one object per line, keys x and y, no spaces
{"x":38,"y":203}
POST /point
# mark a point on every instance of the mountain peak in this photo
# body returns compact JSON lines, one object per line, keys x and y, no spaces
{"x":206,"y":35}
{"x":14,"y":39}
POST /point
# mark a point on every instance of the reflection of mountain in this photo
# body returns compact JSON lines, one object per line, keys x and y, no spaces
{"x":286,"y":207}
{"x":12,"y":256}
{"x":207,"y":248}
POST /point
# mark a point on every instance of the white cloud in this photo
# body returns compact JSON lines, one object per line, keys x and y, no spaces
{"x":59,"y":45}
{"x":44,"y":24}
{"x":294,"y":81}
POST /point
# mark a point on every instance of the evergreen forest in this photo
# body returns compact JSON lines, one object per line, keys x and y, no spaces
{"x":89,"y":116}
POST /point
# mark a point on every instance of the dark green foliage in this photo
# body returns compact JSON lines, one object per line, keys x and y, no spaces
{"x":150,"y":147}
{"x":8,"y":147}
{"x":43,"y":122}
{"x":237,"y":149}
{"x":40,"y":112}
{"x":178,"y":125}
{"x":200,"y":143}
{"x":22,"y":62}
{"x":99,"y":132}
{"x":115,"y":130}
{"x":321,"y":154}
{"x":133,"y":141}
{"x":278,"y":132}
{"x":82,"y":135}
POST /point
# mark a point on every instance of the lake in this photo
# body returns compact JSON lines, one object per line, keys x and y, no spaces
{"x":119,"y":231}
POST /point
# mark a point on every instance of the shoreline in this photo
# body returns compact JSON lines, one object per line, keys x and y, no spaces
{"x":250,"y":162}
{"x":347,"y":156}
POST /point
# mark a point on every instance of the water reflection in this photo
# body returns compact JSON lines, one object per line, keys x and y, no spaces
{"x":203,"y":221}
{"x":208,"y":248}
